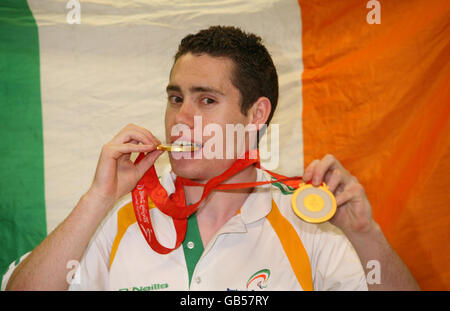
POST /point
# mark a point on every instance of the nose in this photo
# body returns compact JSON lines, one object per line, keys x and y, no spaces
{"x":185,"y":114}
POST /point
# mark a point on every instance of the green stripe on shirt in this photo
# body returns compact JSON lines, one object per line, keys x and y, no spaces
{"x":192,"y":245}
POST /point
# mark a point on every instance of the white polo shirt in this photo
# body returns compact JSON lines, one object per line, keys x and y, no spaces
{"x":264,"y":246}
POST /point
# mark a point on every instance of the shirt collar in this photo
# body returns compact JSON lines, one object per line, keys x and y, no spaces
{"x":257,"y":205}
{"x":259,"y":202}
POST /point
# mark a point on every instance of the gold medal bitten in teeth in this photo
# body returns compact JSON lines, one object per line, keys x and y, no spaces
{"x":176,"y":148}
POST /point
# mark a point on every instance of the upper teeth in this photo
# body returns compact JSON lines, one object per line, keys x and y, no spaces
{"x":186,"y":143}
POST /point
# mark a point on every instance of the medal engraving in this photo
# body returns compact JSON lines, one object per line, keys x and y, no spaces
{"x":314,"y":204}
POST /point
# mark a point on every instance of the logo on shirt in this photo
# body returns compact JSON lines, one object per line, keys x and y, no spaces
{"x":146,"y":288}
{"x":258,"y":280}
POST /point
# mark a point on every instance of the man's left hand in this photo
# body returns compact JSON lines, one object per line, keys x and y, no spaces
{"x":354,"y":212}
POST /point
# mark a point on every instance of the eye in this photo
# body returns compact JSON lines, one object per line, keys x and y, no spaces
{"x":208,"y":101}
{"x":175,"y":100}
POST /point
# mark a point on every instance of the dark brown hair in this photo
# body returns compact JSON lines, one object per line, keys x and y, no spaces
{"x":254,"y":73}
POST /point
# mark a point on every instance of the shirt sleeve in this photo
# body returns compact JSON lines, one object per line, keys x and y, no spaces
{"x":335,"y":263}
{"x":11,"y":268}
{"x":89,"y":274}
{"x":92,"y":273}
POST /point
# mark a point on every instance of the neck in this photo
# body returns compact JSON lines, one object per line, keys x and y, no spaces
{"x":221,"y":205}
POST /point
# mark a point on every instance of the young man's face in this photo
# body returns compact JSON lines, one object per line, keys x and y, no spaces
{"x":200,"y":85}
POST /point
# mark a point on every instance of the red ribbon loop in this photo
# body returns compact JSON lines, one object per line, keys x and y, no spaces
{"x":174,"y":205}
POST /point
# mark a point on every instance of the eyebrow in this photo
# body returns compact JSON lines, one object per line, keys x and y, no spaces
{"x":194,"y":89}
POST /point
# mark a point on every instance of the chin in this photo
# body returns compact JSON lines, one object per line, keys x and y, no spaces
{"x":188,"y":169}
{"x":197,"y":169}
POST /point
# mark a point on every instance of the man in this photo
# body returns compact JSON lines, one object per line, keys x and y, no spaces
{"x":238,"y":239}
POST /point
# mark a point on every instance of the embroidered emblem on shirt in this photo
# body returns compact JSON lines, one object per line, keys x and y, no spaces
{"x":258,"y":280}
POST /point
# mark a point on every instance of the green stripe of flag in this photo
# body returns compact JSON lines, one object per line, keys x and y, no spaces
{"x":22,"y":198}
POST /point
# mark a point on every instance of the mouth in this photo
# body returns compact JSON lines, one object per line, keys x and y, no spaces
{"x":180,"y":146}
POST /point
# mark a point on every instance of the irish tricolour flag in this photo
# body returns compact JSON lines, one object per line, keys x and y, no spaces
{"x":367,"y":81}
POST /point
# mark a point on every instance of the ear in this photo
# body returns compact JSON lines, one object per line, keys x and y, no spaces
{"x":260,"y":111}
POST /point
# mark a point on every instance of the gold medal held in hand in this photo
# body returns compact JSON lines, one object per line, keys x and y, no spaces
{"x":314,"y":204}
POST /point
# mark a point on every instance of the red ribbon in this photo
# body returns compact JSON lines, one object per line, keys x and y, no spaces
{"x":174,"y":205}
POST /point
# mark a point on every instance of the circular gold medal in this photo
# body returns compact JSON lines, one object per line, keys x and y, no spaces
{"x":176,"y":148}
{"x":314,"y":204}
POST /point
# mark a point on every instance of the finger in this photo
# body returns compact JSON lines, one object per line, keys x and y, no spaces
{"x":333,"y":179}
{"x":127,"y":156}
{"x":116,"y":151}
{"x":128,"y":136}
{"x":340,"y":188}
{"x":146,"y":132}
{"x":147,"y":162}
{"x":343,"y":197}
{"x":329,"y":162}
{"x":150,"y":135}
{"x":307,"y":176}
{"x":134,"y":132}
{"x":328,"y":176}
{"x":350,"y":193}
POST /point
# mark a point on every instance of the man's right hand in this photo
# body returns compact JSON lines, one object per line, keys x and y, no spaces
{"x":116,"y":174}
{"x":46,"y":267}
